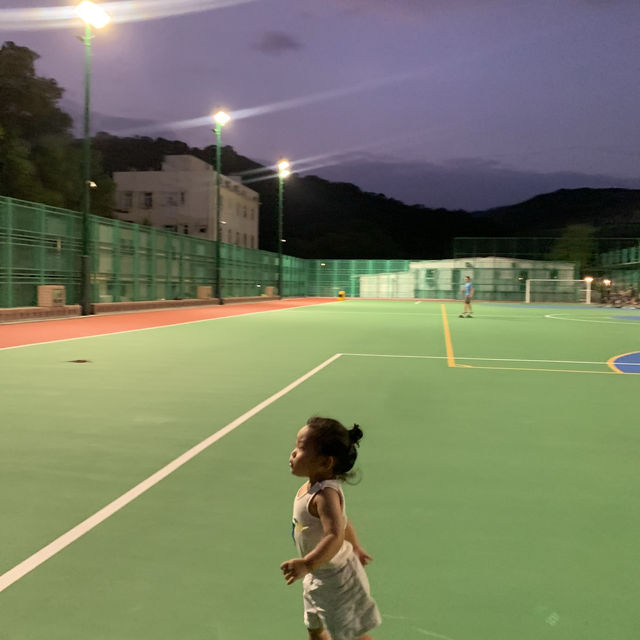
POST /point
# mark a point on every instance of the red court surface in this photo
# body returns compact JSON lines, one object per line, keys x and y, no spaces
{"x":25,"y":333}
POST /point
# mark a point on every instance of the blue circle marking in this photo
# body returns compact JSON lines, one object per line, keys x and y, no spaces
{"x":627,"y":362}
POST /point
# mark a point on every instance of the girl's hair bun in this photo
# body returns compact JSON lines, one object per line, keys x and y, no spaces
{"x":355,"y":434}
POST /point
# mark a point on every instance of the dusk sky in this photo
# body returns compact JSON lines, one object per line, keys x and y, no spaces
{"x":446,"y":103}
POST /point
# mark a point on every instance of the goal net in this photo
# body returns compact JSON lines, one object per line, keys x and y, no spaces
{"x":539,"y":290}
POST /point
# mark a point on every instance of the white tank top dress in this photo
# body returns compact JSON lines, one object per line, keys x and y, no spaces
{"x":336,"y":595}
{"x":307,"y":529}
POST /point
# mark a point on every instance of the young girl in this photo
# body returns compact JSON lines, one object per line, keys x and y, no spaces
{"x":337,"y":603}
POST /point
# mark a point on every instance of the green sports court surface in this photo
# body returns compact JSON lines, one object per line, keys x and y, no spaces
{"x":499,"y":473}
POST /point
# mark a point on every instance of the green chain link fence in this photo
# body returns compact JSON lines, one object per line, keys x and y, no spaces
{"x":40,"y":245}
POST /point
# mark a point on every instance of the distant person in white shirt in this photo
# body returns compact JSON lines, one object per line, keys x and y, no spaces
{"x":467,"y":311}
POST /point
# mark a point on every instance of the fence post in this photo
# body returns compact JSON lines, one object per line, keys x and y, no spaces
{"x":7,"y":300}
{"x":152,"y":264}
{"x":180,"y":293}
{"x":168,"y":252}
{"x":115,"y":248}
{"x":42,"y":253}
{"x":93,"y":237}
{"x":136,"y":262}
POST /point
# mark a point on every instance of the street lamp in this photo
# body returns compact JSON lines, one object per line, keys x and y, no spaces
{"x":283,"y":172}
{"x":93,"y":16}
{"x":221,"y":118}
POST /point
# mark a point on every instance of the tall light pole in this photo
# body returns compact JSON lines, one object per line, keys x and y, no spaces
{"x":283,"y":172}
{"x":221,"y":118}
{"x":93,"y":16}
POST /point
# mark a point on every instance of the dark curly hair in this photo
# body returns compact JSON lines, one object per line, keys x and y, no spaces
{"x":331,"y":438}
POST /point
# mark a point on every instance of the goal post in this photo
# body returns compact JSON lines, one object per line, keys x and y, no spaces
{"x":548,"y":290}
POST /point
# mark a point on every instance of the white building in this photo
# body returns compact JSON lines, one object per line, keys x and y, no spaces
{"x":182,"y":198}
{"x":494,"y":278}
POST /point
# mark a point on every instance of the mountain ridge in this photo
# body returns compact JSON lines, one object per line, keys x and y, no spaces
{"x":326,"y":219}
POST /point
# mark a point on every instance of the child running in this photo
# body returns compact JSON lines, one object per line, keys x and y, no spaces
{"x":337,"y":602}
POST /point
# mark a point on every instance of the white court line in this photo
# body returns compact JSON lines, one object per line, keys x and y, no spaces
{"x":432,"y":634}
{"x":386,"y":355}
{"x":162,"y":326}
{"x":557,"y":316}
{"x":20,"y":570}
{"x":414,"y":314}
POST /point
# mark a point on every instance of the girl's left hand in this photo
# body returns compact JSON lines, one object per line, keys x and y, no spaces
{"x":362,"y":555}
{"x":294,"y":569}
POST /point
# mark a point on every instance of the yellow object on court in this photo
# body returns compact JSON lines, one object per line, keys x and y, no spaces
{"x":341,"y":295}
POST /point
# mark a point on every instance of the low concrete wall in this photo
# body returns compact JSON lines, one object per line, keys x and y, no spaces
{"x":254,"y":299}
{"x":142,"y":305}
{"x":17,"y":314}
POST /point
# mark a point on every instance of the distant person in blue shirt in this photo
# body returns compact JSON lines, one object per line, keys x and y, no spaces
{"x":467,"y":311}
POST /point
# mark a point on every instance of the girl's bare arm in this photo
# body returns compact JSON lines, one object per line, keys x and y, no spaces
{"x":350,"y":535}
{"x":327,"y":502}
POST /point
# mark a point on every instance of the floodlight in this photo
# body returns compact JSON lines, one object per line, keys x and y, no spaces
{"x":93,"y":14}
{"x":221,"y":117}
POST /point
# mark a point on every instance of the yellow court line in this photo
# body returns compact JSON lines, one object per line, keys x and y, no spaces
{"x":611,"y":363}
{"x":447,"y":338}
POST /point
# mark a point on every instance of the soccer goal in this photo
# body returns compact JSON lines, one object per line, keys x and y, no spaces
{"x":540,"y":290}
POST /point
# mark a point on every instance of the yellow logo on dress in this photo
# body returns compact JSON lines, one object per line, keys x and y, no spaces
{"x":297,"y":527}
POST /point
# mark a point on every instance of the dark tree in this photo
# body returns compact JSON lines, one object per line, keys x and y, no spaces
{"x":39,"y":158}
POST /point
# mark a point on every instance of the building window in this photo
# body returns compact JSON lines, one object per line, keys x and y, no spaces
{"x":238,"y":238}
{"x":244,"y":212}
{"x":203,"y":229}
{"x":147,"y":200}
{"x":171,"y":227}
{"x":244,"y":239}
{"x":253,"y":242}
{"x":127,"y":200}
{"x":183,"y":197}
{"x":230,"y":237}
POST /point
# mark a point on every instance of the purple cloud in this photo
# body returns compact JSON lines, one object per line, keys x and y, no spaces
{"x":276,"y":43}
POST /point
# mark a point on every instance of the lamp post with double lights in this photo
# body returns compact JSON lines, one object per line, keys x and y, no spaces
{"x":93,"y":16}
{"x":221,"y":118}
{"x":283,"y":172}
